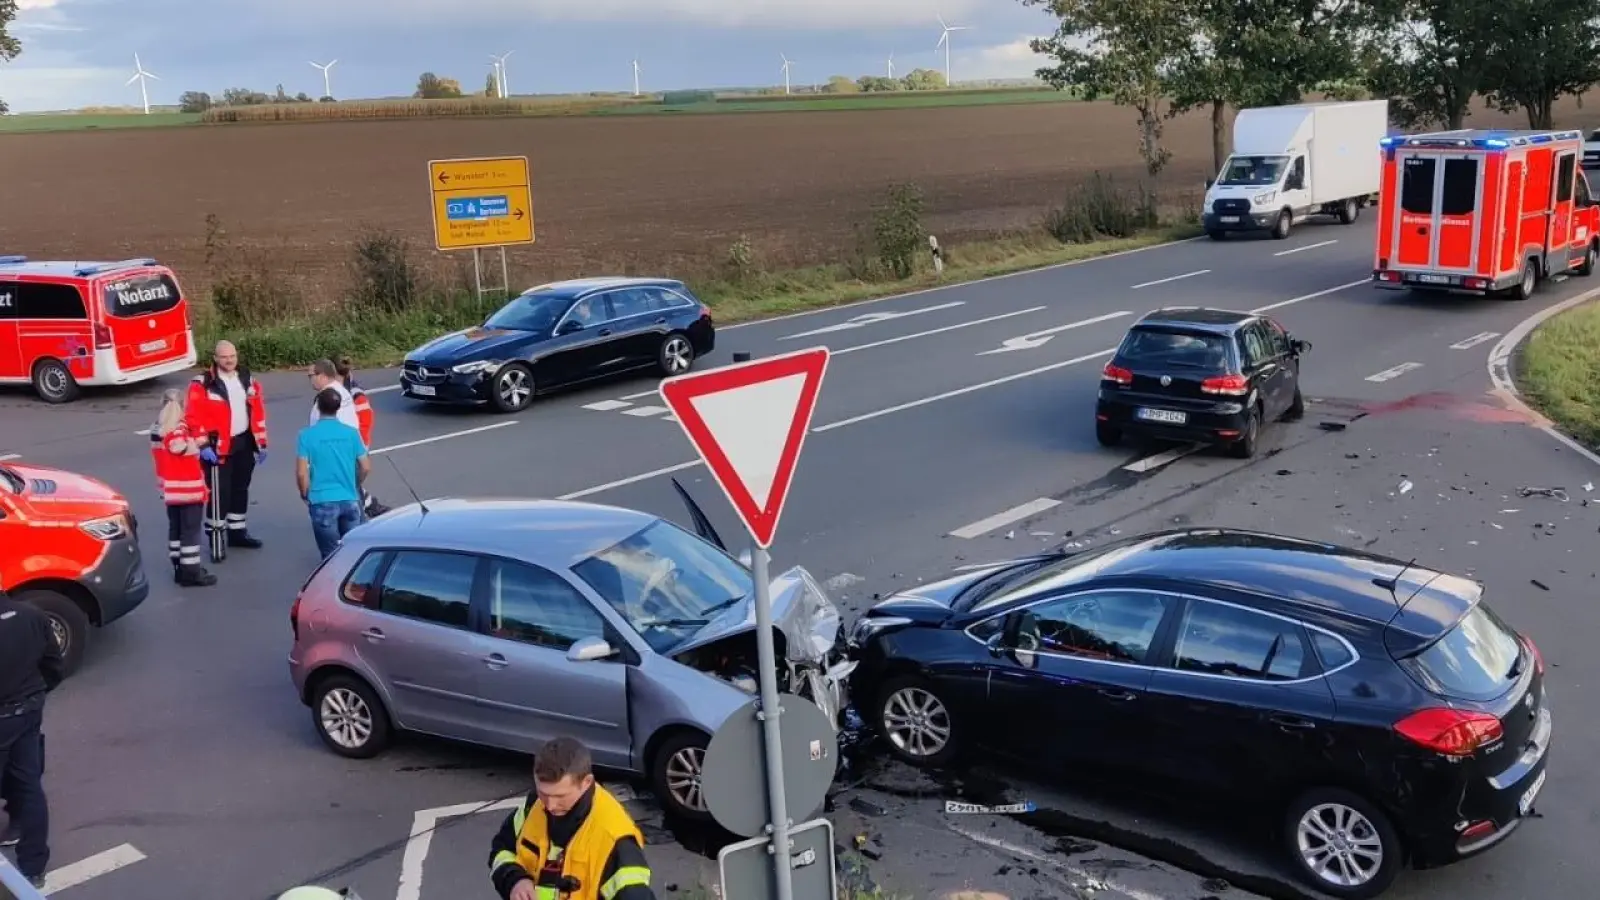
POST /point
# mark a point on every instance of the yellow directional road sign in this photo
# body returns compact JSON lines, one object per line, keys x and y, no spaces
{"x":481,"y":202}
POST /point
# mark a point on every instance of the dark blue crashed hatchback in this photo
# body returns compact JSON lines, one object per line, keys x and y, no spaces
{"x":562,"y":334}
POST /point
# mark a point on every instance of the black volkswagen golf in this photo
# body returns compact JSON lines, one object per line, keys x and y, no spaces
{"x":562,"y":334}
{"x":1381,"y":711}
{"x":1207,"y":375}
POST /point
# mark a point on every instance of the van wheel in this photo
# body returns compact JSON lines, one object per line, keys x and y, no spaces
{"x":1529,"y":282}
{"x":1217,"y":234}
{"x":69,"y":624}
{"x":1282,"y":227}
{"x":53,"y":382}
{"x":1591,"y":255}
{"x":1349,"y":212}
{"x":349,"y":717}
{"x":1341,"y":844}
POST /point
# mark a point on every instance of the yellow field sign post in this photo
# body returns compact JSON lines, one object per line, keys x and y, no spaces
{"x":482,"y":202}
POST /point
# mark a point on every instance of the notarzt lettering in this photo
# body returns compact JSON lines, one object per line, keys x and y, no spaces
{"x":5,"y":301}
{"x":137,"y":296}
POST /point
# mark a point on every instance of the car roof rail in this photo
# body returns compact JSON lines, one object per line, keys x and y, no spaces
{"x":12,"y":260}
{"x":100,"y":268}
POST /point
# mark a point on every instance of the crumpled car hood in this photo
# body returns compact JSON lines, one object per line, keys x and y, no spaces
{"x":801,"y":611}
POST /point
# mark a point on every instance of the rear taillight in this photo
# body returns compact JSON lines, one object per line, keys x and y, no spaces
{"x":1452,"y":732}
{"x":1116,"y":374}
{"x":294,"y":618}
{"x":1475,"y":284}
{"x":1228,"y":385}
{"x":705,"y":312}
{"x":1538,"y":658}
{"x":1390,"y":277}
{"x":102,"y":336}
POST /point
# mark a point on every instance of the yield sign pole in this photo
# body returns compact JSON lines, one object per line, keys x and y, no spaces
{"x":748,"y":421}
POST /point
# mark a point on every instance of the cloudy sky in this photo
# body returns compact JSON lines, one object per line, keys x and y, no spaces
{"x":80,"y":52}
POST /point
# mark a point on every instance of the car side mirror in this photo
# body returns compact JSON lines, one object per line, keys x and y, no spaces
{"x":569,"y":326}
{"x":590,"y":649}
{"x":1210,"y":183}
{"x":1299,"y":346}
{"x":996,"y":643}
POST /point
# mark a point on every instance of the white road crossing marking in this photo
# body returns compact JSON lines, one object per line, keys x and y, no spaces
{"x":1475,"y":340}
{"x":6,"y":456}
{"x":444,"y":437}
{"x":1395,"y":372}
{"x":608,"y":405}
{"x":1161,"y":459}
{"x":642,"y":411}
{"x":1323,"y":293}
{"x":1001,"y":519}
{"x":871,"y":318}
{"x":1167,"y":280}
{"x":1040,"y":338}
{"x":1306,"y":247}
{"x":102,"y":863}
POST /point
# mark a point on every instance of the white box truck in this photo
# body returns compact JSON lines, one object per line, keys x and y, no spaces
{"x":1293,"y":162}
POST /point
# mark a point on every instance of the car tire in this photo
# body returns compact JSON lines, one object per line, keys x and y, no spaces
{"x":350,"y":718}
{"x":675,"y":356}
{"x":1529,"y":282}
{"x":1317,"y":815}
{"x":512,"y":389}
{"x":1107,"y":435}
{"x":54,"y":382}
{"x":1591,"y":255}
{"x":1349,"y":211}
{"x":69,"y":624}
{"x":909,"y":712}
{"x":1297,"y":407}
{"x":1216,"y":234}
{"x":676,"y":771}
{"x":1245,"y":446}
{"x":1282,"y":228}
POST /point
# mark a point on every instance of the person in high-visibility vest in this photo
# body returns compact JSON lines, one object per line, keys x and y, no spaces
{"x":183,"y":489}
{"x":570,"y":839}
{"x":345,"y":370}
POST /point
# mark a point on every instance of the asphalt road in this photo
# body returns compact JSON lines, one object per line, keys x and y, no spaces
{"x":182,"y":737}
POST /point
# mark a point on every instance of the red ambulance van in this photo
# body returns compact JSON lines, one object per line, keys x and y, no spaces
{"x":1484,"y":212}
{"x":64,"y":325}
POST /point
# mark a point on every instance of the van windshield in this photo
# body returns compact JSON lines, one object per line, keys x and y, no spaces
{"x":141,"y":295}
{"x":1253,"y":170}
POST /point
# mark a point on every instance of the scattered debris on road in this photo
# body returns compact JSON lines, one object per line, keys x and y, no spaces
{"x":1539,"y":584}
{"x":1554,"y":493}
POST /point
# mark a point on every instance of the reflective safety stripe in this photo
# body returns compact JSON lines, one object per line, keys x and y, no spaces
{"x":625,"y":877}
{"x":503,"y":858}
{"x":518,"y":819}
{"x":545,"y":893}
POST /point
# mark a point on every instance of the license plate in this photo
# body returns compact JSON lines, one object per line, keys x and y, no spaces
{"x":152,"y":346}
{"x":1525,"y":804}
{"x":1434,"y":279}
{"x":1169,"y":416}
{"x":1229,"y":219}
{"x":422,"y":390}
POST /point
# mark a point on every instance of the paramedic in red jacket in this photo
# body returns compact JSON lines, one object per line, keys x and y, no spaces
{"x":183,"y":490}
{"x":226,"y":402}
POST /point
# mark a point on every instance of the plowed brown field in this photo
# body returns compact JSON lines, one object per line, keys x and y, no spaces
{"x":621,"y":193}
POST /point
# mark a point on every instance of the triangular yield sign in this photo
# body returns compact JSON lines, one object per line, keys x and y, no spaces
{"x":748,"y":421}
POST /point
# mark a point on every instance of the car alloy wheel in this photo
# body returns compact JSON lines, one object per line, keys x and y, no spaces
{"x":345,"y":718}
{"x":916,"y":722}
{"x":61,"y":633}
{"x":677,"y":355}
{"x":1339,"y":845}
{"x":514,"y":387}
{"x":683,"y":777}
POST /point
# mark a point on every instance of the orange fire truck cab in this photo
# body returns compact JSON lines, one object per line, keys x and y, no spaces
{"x":1484,"y":212}
{"x":64,"y":325}
{"x":68,"y":545}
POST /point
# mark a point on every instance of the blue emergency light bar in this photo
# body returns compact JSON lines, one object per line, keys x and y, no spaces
{"x":12,"y":260}
{"x":99,"y":268}
{"x":1491,"y":143}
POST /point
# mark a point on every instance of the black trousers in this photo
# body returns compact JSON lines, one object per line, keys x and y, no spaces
{"x":234,"y":485}
{"x":183,"y":533}
{"x":22,"y":778}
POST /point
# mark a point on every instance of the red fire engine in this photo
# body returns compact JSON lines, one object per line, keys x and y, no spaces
{"x":1484,"y":212}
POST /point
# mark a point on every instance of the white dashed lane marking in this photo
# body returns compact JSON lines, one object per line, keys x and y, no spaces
{"x":608,"y":405}
{"x":1306,"y":247}
{"x":1002,"y":519}
{"x":1161,"y":459}
{"x":1395,"y":372}
{"x":1475,"y":340}
{"x":1146,"y":284}
{"x":102,"y":863}
{"x":645,"y":411}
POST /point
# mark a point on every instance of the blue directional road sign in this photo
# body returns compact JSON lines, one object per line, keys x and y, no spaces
{"x":494,"y":207}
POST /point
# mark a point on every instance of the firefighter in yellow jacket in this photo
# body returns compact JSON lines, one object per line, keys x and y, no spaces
{"x":571,"y":839}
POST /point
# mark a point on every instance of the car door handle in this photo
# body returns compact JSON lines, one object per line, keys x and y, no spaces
{"x":495,"y":661}
{"x":1117,"y":694}
{"x":662,"y":320}
{"x":1293,"y":723}
{"x":374,"y":635}
{"x":604,"y":332}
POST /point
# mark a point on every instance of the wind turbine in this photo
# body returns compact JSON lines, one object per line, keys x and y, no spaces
{"x":636,"y":78}
{"x":500,"y":73}
{"x":786,"y":65}
{"x":139,"y":75}
{"x":944,"y":41}
{"x":327,"y":80}
{"x":891,"y":67}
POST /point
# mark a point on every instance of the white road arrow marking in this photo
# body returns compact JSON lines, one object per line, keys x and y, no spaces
{"x":1040,"y":338}
{"x":871,"y":318}
{"x":1475,"y":340}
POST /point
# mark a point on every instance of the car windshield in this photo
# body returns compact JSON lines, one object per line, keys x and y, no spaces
{"x":530,"y":312}
{"x":1253,"y":170}
{"x":1479,"y":659}
{"x":1163,"y":348}
{"x":11,"y":480}
{"x":1594,"y":135}
{"x":666,"y":582}
{"x":1019,"y":581}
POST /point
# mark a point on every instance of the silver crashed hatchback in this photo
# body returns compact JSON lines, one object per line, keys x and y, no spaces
{"x":509,"y":622}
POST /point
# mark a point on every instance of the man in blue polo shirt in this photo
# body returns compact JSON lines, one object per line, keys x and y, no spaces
{"x":330,"y":466}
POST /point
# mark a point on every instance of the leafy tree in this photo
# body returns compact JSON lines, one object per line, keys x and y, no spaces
{"x":841,"y":84}
{"x":450,"y":87}
{"x":1564,"y":60}
{"x":1430,"y":57}
{"x":9,"y":46}
{"x":244,"y":97}
{"x":432,"y":87}
{"x":924,"y":80}
{"x":194,"y":102}
{"x":302,"y":97}
{"x":874,"y":84}
{"x":491,"y":86}
{"x":1127,"y":50}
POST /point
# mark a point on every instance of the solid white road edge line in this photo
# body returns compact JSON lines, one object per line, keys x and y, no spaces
{"x":1161,"y":459}
{"x":1001,"y":519}
{"x":443,"y":437}
{"x":102,"y":863}
{"x":1475,"y":340}
{"x":962,"y":284}
{"x":1306,"y":247}
{"x":1054,"y":862}
{"x":668,"y":470}
{"x":1499,"y":364}
{"x":1393,"y":372}
{"x":1146,"y":284}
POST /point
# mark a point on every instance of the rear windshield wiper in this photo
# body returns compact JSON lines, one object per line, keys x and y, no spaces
{"x":1516,"y":667}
